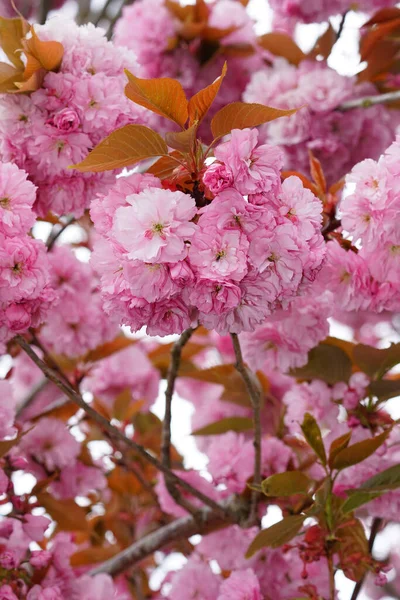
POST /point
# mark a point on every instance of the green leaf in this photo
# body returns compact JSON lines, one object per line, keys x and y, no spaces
{"x":286,"y":484}
{"x":237,"y":424}
{"x":123,"y":148}
{"x":240,"y":115}
{"x":358,"y":499}
{"x":276,"y":535}
{"x":326,"y":362}
{"x":372,"y":488}
{"x":385,"y":389}
{"x":313,"y":435}
{"x":352,"y":455}
{"x":337,"y":445}
{"x":375,"y":362}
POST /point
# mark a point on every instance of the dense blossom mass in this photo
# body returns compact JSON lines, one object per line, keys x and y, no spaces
{"x":264,"y":237}
{"x":250,"y":251}
{"x":339,"y":139}
{"x":73,"y":110}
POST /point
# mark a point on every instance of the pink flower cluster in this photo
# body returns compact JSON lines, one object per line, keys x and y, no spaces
{"x":165,"y":264}
{"x":284,"y":340}
{"x":314,"y":11}
{"x":370,"y":278}
{"x":25,"y":287}
{"x":76,"y":107}
{"x":339,"y":139}
{"x":46,"y":448}
{"x":77,"y":323}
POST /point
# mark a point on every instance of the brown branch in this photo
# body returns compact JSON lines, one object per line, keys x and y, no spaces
{"x":376,"y":524}
{"x":172,"y":374}
{"x":44,"y":10}
{"x":180,"y":528}
{"x":255,"y":398}
{"x":367,"y":101}
{"x":55,"y":233}
{"x":115,"y":18}
{"x":341,"y":25}
{"x":111,"y":431}
{"x":31,"y":397}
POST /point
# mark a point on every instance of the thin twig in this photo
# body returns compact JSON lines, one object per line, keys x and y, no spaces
{"x":181,"y":528}
{"x":115,"y":18}
{"x":172,"y":374}
{"x":341,"y":25}
{"x":376,"y":524}
{"x":31,"y":397}
{"x":255,"y":398}
{"x":109,"y":429}
{"x":367,"y":101}
{"x":55,"y":233}
{"x":103,"y":13}
{"x":331,"y":225}
{"x":44,"y":10}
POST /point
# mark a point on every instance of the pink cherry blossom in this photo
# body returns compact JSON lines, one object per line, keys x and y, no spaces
{"x":156,"y":226}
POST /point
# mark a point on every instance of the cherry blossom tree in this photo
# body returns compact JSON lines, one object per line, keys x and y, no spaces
{"x":196,"y":213}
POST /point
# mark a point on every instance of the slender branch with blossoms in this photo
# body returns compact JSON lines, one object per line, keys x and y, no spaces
{"x":222,"y":186}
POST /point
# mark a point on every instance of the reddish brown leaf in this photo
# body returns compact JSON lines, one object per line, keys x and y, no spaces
{"x":48,"y":54}
{"x":356,"y":453}
{"x":67,"y":514}
{"x":200,"y":103}
{"x":281,"y":44}
{"x":184,"y":141}
{"x":11,"y":33}
{"x":108,"y":348}
{"x":93,"y":555}
{"x":317,"y":173}
{"x":375,"y":34}
{"x":164,"y":96}
{"x":123,"y":148}
{"x":324,"y":44}
{"x":164,"y":167}
{"x":240,"y":115}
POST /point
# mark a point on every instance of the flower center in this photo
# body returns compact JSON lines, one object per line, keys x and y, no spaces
{"x":220,"y":254}
{"x":5,"y":203}
{"x":17,"y":268}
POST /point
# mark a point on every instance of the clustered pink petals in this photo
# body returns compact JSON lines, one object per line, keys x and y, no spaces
{"x":339,"y":139}
{"x":244,"y":255}
{"x":306,"y":11}
{"x":25,"y":288}
{"x":57,"y":125}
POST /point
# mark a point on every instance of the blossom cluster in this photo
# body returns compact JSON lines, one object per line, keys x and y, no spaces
{"x":25,"y":286}
{"x":43,"y":450}
{"x":287,"y":12}
{"x":74,"y":109}
{"x":366,"y":277}
{"x":338,"y":139}
{"x":166,"y":264}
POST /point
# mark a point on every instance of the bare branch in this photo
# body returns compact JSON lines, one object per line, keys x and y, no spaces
{"x":367,"y":101}
{"x":376,"y":525}
{"x":44,"y":10}
{"x":181,"y":528}
{"x":56,"y":232}
{"x":112,"y":432}
{"x":255,"y":398}
{"x":116,"y":17}
{"x":341,"y":25}
{"x":172,"y":374}
{"x":31,"y":397}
